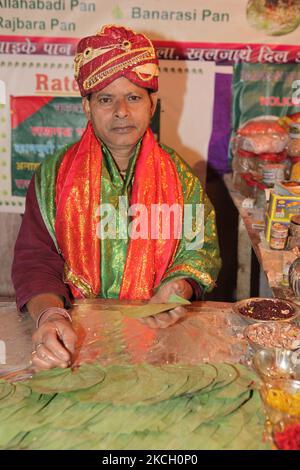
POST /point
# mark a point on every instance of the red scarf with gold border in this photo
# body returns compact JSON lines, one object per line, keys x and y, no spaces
{"x":78,"y":195}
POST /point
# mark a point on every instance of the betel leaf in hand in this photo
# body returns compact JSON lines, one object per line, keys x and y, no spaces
{"x":178,"y":299}
{"x":150,"y":309}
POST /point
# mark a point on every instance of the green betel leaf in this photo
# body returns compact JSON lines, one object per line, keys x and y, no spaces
{"x":173,"y":406}
{"x":137,"y":393}
{"x":176,"y":380}
{"x":117,"y":380}
{"x":158,"y":386}
{"x":143,"y":311}
{"x":20,"y":417}
{"x":174,"y":298}
{"x":14,"y":442}
{"x":227,"y":374}
{"x":78,"y":414}
{"x":49,"y":438}
{"x":210,"y":374}
{"x":19,"y":391}
{"x":243,"y":428}
{"x":154,"y":385}
{"x":5,"y":389}
{"x":242,"y":383}
{"x":198,"y":377}
{"x":67,"y":380}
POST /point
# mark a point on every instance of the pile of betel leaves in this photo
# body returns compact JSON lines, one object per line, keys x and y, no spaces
{"x":132,"y":407}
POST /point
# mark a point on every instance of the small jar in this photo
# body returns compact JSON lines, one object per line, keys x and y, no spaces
{"x":278,"y":237}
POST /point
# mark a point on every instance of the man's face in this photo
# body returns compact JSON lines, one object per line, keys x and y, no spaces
{"x":120,"y":113}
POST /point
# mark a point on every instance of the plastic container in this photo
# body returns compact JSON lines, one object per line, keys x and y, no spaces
{"x":242,"y":162}
{"x":270,"y":158}
{"x":248,"y":186}
{"x":262,"y":136}
{"x":246,"y":162}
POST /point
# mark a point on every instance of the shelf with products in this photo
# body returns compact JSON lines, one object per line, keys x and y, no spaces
{"x":273,"y":263}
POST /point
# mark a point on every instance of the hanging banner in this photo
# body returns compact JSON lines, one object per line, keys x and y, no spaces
{"x":263,"y":31}
{"x":242,"y":21}
{"x":40,"y":126}
{"x":38,"y":40}
{"x":264,"y":90}
{"x":37,"y":128}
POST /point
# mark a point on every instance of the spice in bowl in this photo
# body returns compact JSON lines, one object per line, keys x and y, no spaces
{"x":274,"y":335}
{"x":282,"y":400}
{"x":267,"y":310}
{"x":288,"y":438}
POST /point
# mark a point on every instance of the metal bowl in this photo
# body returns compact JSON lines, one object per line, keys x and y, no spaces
{"x":243,"y":303}
{"x":279,"y":368}
{"x":279,"y":371}
{"x":294,"y":277}
{"x":256,"y":346}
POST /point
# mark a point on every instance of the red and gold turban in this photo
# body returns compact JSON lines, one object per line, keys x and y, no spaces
{"x":113,"y":53}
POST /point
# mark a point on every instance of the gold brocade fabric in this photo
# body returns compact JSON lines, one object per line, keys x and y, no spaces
{"x":199,"y":260}
{"x":113,"y":251}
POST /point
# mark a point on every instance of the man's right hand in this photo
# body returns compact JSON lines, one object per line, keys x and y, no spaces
{"x":53,"y":343}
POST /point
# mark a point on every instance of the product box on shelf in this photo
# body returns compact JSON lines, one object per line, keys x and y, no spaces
{"x":282,"y":207}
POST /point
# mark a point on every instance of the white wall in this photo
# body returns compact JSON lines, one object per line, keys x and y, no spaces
{"x":9,"y":228}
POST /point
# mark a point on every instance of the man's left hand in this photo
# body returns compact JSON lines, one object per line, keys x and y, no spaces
{"x":179,"y":287}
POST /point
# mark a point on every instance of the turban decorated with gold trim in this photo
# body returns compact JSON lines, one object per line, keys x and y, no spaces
{"x":112,"y":53}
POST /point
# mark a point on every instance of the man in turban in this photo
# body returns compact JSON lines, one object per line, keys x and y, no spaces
{"x":63,"y":251}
